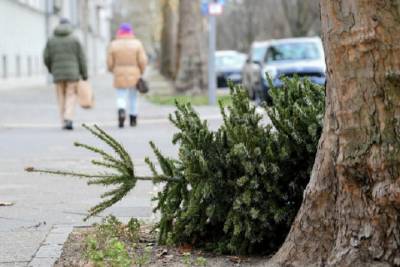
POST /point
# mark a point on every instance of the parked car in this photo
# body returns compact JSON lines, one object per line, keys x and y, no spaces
{"x":303,"y":57}
{"x":229,"y":65}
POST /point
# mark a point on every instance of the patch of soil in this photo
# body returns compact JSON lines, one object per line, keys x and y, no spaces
{"x":74,"y":249}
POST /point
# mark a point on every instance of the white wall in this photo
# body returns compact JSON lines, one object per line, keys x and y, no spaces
{"x":23,"y":36}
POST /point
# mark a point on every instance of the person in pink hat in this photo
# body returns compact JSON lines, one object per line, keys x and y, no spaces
{"x":127,"y":60}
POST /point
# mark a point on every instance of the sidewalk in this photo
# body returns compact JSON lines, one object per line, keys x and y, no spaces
{"x":37,"y":107}
{"x":30,"y":135}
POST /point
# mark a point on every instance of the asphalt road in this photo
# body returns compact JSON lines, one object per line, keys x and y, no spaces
{"x":31,"y":135}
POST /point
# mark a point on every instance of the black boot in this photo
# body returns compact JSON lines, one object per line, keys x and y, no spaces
{"x":68,"y":125}
{"x":121,"y":118}
{"x":133,"y":120}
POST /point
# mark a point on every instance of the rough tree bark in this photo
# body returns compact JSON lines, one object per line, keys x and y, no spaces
{"x":192,"y":63}
{"x":350,"y":212}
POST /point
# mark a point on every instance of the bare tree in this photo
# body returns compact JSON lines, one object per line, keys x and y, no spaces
{"x":350,"y":212}
{"x":145,"y":19}
{"x":246,"y":21}
{"x":192,"y":67}
{"x":169,"y":38}
{"x":241,"y":24}
{"x":302,"y":16}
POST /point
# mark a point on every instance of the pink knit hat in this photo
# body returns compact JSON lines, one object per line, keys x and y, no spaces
{"x":125,"y":29}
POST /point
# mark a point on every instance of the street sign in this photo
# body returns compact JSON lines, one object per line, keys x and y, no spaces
{"x":208,"y":7}
{"x":204,"y":8}
{"x":215,"y":9}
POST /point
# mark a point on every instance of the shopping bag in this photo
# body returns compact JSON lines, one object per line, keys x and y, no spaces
{"x":142,"y":86}
{"x":85,"y":95}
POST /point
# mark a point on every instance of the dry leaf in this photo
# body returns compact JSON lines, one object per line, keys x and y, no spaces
{"x":185,"y":248}
{"x":235,"y":259}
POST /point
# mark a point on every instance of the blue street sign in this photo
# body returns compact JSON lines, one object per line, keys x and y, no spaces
{"x":204,"y":7}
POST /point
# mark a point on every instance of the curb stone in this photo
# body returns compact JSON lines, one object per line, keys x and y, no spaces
{"x":51,"y":248}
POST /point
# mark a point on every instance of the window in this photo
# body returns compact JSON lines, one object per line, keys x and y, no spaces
{"x":37,"y":65}
{"x":29,"y":66}
{"x":74,"y":12}
{"x":293,"y":51}
{"x":257,"y":53}
{"x":18,"y":66}
{"x":229,"y":60}
{"x":4,"y":66}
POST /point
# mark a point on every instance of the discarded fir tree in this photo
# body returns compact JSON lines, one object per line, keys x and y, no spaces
{"x":233,"y":190}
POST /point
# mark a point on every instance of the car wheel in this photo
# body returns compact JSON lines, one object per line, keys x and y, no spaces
{"x":252,"y":94}
{"x":268,"y":100}
{"x":257,"y":97}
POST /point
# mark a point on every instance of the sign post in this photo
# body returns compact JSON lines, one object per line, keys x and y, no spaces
{"x":215,"y":8}
{"x":212,"y":79}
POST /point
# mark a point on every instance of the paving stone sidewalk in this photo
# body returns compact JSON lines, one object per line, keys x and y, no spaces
{"x":51,"y":248}
{"x":47,"y":207}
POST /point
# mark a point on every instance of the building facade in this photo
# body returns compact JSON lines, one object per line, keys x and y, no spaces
{"x":25,"y":26}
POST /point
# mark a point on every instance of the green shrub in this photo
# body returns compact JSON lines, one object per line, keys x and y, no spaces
{"x":111,"y":241}
{"x":113,"y":253}
{"x":240,"y":187}
{"x":105,"y":246}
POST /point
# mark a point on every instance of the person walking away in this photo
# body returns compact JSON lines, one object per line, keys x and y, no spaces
{"x":65,"y":59}
{"x":127,"y":61}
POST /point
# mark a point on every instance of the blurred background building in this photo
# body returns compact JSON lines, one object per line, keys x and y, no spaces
{"x":25,"y":26}
{"x":174,"y":33}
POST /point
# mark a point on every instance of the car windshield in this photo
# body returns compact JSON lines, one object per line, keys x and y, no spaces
{"x":293,"y":51}
{"x":258,"y":53}
{"x":223,"y":61}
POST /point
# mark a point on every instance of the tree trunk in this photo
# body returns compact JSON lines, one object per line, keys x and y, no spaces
{"x":350,"y":212}
{"x":169,"y":38}
{"x":191,"y":53}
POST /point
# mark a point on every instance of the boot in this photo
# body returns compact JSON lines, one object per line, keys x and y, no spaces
{"x":121,"y":118}
{"x":68,"y":125}
{"x":133,"y":120}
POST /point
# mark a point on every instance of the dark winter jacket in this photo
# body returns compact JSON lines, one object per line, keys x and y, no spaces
{"x":64,"y":56}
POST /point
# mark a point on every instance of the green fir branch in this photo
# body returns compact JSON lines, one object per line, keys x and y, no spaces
{"x":64,"y":173}
{"x":120,"y":165}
